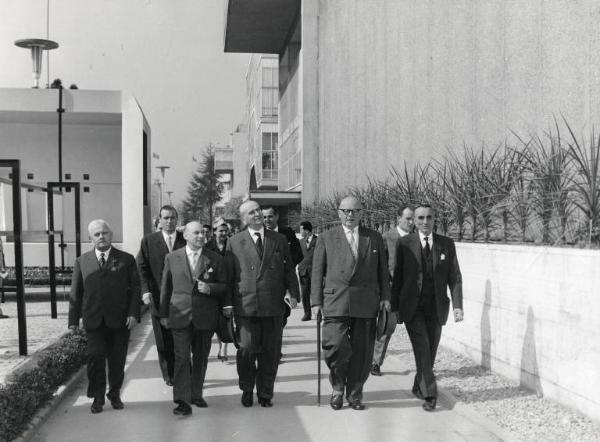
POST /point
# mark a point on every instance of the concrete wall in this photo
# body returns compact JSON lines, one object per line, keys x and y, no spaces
{"x":531,"y":314}
{"x":402,"y":79}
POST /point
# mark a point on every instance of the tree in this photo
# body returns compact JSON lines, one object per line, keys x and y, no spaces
{"x":204,"y":191}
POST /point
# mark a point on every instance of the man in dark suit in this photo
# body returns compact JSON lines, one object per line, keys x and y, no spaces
{"x":305,"y":266}
{"x":426,"y":267}
{"x":350,"y":284}
{"x":194,"y":291}
{"x":151,"y":261}
{"x":404,"y":226}
{"x":105,"y":292}
{"x":271,"y":220}
{"x":263,"y":271}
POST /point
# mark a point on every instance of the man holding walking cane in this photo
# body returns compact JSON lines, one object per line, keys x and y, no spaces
{"x":350,"y":284}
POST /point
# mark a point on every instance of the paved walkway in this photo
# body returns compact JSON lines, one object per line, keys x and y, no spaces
{"x":392,"y":412}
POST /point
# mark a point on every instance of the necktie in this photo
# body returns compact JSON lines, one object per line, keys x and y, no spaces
{"x":170,"y":243}
{"x":102,"y":260}
{"x":194,"y":260}
{"x":259,"y":244}
{"x":352,"y":242}
{"x":427,"y":248}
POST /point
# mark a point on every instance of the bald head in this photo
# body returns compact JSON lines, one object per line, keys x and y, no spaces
{"x":251,"y":215}
{"x":194,"y":235}
{"x":350,"y":212}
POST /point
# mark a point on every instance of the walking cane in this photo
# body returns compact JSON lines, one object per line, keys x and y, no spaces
{"x":319,"y":317}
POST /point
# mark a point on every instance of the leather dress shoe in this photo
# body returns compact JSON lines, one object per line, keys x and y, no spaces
{"x":200,"y":402}
{"x":116,"y":402}
{"x":247,"y":399}
{"x":429,"y":404}
{"x":336,"y":401}
{"x":306,"y":318}
{"x":417,"y":393}
{"x":97,"y":406}
{"x":356,"y":405}
{"x":265,"y":402}
{"x":375,"y":370}
{"x":182,"y":409}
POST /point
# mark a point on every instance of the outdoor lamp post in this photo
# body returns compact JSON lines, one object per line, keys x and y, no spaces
{"x":37,"y":45}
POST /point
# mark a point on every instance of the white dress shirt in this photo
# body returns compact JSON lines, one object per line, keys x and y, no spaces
{"x":401,"y":232}
{"x":190,"y":255}
{"x":166,"y":237}
{"x":254,"y":237}
{"x":106,"y":253}
{"x":429,"y":239}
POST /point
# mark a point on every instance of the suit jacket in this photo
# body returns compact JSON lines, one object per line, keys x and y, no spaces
{"x":408,"y":276}
{"x":343,"y":286}
{"x":111,"y":293}
{"x":293,"y":243}
{"x":308,"y":250}
{"x":391,"y":238}
{"x":180,"y":300}
{"x":259,"y":285}
{"x":151,"y":261}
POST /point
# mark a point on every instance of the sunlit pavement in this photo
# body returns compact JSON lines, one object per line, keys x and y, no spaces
{"x":392,"y":412}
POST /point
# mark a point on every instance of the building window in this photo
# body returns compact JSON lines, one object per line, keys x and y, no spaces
{"x":269,"y":155}
{"x":270,"y":91}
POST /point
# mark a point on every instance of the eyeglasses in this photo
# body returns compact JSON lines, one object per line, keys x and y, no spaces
{"x":349,"y":211}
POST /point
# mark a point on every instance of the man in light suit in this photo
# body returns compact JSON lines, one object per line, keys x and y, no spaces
{"x":193,"y":294}
{"x":263,"y":271}
{"x":404,"y":226}
{"x":151,"y":260}
{"x":307,"y":244}
{"x":426,"y":267}
{"x":105,"y":292}
{"x":350,"y":284}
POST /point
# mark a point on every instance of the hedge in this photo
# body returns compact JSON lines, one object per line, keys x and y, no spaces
{"x":27,"y":392}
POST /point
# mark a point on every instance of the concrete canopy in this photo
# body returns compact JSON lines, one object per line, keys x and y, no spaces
{"x":259,"y":26}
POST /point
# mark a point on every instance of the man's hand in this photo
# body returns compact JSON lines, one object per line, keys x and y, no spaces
{"x":385,"y":305}
{"x":164,"y":322}
{"x":73,"y":328}
{"x":131,"y":322}
{"x":290,"y":301}
{"x":147,"y":298}
{"x":227,"y":312}
{"x":203,"y":287}
{"x":458,"y":315}
{"x":317,"y":310}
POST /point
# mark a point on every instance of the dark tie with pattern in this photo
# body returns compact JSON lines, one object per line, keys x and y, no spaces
{"x":259,"y":244}
{"x":102,"y":260}
{"x":427,"y":248}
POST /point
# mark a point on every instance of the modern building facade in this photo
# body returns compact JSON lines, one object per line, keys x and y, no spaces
{"x":366,"y":85}
{"x":105,"y":148}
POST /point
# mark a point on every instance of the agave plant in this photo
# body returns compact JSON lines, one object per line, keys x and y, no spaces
{"x":585,"y":155}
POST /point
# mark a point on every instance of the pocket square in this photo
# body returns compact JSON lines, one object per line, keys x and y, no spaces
{"x":442,"y":257}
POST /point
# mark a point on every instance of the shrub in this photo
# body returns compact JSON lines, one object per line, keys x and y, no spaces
{"x":29,"y":391}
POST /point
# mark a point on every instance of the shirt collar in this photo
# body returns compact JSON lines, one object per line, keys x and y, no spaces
{"x":167,"y":235}
{"x":106,"y":253}
{"x":401,"y":231}
{"x":429,"y":239}
{"x":347,"y":230}
{"x":190,"y":252}
{"x":251,"y":231}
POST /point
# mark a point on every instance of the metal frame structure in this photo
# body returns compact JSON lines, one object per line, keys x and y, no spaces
{"x":51,"y":232}
{"x":15,"y":166}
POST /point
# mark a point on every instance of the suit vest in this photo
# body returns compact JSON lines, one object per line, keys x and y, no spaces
{"x":426,"y":300}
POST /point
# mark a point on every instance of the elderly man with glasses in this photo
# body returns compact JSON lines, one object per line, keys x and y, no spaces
{"x":350,"y":284}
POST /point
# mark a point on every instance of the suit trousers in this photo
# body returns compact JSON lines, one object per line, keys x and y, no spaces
{"x":189,"y":374}
{"x":381,"y":342}
{"x":348,"y":351}
{"x":258,"y":356}
{"x":164,"y":346}
{"x":106,"y":345}
{"x":424,"y":332}
{"x":305,"y":290}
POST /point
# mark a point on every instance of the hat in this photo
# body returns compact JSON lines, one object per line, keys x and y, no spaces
{"x":382,"y":322}
{"x":226,"y":330}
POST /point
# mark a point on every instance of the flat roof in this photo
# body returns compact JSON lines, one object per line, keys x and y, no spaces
{"x":259,"y":26}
